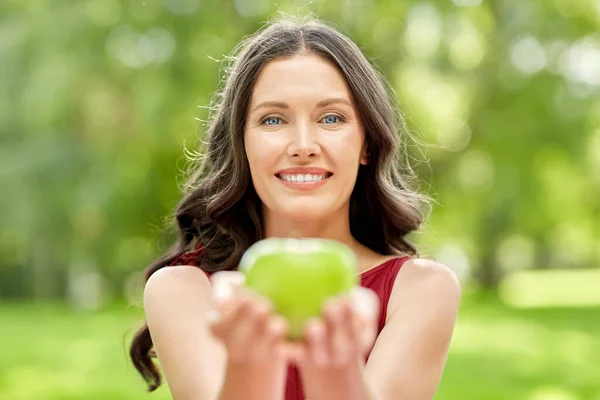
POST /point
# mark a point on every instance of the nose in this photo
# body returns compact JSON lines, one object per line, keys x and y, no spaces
{"x":304,"y":143}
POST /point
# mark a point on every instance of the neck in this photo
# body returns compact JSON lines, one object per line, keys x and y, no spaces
{"x":335,"y":227}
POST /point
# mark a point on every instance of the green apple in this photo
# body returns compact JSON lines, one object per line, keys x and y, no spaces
{"x":299,"y":275}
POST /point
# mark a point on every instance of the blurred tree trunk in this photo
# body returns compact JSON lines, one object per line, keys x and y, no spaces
{"x":488,"y":275}
{"x":44,"y":282}
{"x":493,"y":229}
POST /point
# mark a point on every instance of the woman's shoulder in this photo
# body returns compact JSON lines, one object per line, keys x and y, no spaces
{"x":417,"y":268}
{"x":176,"y":283}
{"x":425,"y":278}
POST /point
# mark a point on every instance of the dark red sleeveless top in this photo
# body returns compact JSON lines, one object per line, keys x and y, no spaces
{"x":379,"y":279}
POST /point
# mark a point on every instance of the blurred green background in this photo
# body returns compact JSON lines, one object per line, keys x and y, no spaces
{"x":99,"y":99}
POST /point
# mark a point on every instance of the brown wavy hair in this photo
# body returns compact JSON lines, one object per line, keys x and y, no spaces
{"x":220,"y":209}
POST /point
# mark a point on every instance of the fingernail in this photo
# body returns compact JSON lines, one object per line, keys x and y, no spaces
{"x":362,"y":307}
{"x":278,"y":326}
{"x":329,"y":309}
{"x":222,"y":293}
{"x":213,"y":316}
{"x":315,"y":332}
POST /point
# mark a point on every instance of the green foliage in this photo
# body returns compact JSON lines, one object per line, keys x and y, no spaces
{"x":100,"y":96}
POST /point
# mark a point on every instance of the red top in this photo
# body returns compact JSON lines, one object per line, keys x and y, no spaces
{"x":380,"y":279}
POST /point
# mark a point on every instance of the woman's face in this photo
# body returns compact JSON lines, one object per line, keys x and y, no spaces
{"x":303,"y":139}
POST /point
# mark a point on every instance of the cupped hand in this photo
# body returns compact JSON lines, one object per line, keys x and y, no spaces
{"x":345,"y":332}
{"x":246,"y":324}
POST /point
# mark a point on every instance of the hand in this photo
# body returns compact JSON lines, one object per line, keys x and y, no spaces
{"x":345,"y":333}
{"x":246,"y":324}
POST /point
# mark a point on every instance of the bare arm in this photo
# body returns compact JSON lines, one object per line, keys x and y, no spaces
{"x":177,"y":301}
{"x":410,"y":353}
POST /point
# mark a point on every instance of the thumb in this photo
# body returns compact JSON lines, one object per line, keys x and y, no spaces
{"x":224,"y":285}
{"x":366,"y":306}
{"x":365,"y":303}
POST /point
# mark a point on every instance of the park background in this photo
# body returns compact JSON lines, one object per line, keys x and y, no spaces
{"x":99,"y":99}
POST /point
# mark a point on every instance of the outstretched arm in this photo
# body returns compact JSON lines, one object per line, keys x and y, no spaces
{"x":219,"y":359}
{"x":177,"y":301}
{"x":408,"y":358}
{"x":410,"y":353}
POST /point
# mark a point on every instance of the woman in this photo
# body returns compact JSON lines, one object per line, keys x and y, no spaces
{"x":303,"y":142}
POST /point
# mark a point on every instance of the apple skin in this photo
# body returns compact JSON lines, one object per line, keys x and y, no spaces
{"x":299,"y":275}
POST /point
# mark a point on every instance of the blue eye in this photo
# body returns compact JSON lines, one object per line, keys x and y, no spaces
{"x":271,"y":121}
{"x":332,"y":119}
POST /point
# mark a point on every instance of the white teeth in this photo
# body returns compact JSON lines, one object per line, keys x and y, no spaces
{"x":303,"y":177}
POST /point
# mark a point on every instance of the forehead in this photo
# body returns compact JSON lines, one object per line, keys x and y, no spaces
{"x":300,"y":77}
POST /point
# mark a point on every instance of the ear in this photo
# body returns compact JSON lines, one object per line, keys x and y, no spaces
{"x":364,"y":155}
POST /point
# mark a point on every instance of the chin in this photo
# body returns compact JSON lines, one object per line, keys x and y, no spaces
{"x":303,"y":211}
{"x":304,"y":215}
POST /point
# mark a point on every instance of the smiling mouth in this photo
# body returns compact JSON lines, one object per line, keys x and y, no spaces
{"x":304,"y":178}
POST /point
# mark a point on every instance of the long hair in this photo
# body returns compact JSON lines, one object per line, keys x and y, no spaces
{"x":220,"y":209}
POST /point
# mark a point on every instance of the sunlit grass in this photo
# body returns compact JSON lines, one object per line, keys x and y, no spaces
{"x":552,"y":288}
{"x":539,"y":354}
{"x":51,"y":353}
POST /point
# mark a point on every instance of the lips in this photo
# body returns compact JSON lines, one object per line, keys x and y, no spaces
{"x":303,"y":178}
{"x":325,"y":175}
{"x":304,"y":171}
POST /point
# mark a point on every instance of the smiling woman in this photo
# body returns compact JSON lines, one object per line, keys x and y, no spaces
{"x":304,"y":136}
{"x":305,"y":141}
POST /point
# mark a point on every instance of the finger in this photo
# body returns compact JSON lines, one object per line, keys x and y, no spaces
{"x":276,"y":328}
{"x":245,"y":335}
{"x":213,"y":317}
{"x":365,"y":303}
{"x":351,"y":346}
{"x":366,"y":307}
{"x":224,"y":284}
{"x":294,"y":352}
{"x":229,"y":314}
{"x":277,"y":344}
{"x":259,"y":341}
{"x":315,"y":334}
{"x":352,"y":327}
{"x":338,"y":336}
{"x":365,"y":333}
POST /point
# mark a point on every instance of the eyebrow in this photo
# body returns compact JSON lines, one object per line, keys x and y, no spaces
{"x":322,"y":103}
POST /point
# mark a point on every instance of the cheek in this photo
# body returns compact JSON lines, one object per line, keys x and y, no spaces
{"x":261,"y":158}
{"x":347,"y":151}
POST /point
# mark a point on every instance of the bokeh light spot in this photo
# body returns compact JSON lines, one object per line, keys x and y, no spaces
{"x":528,"y":55}
{"x":423,"y":33}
